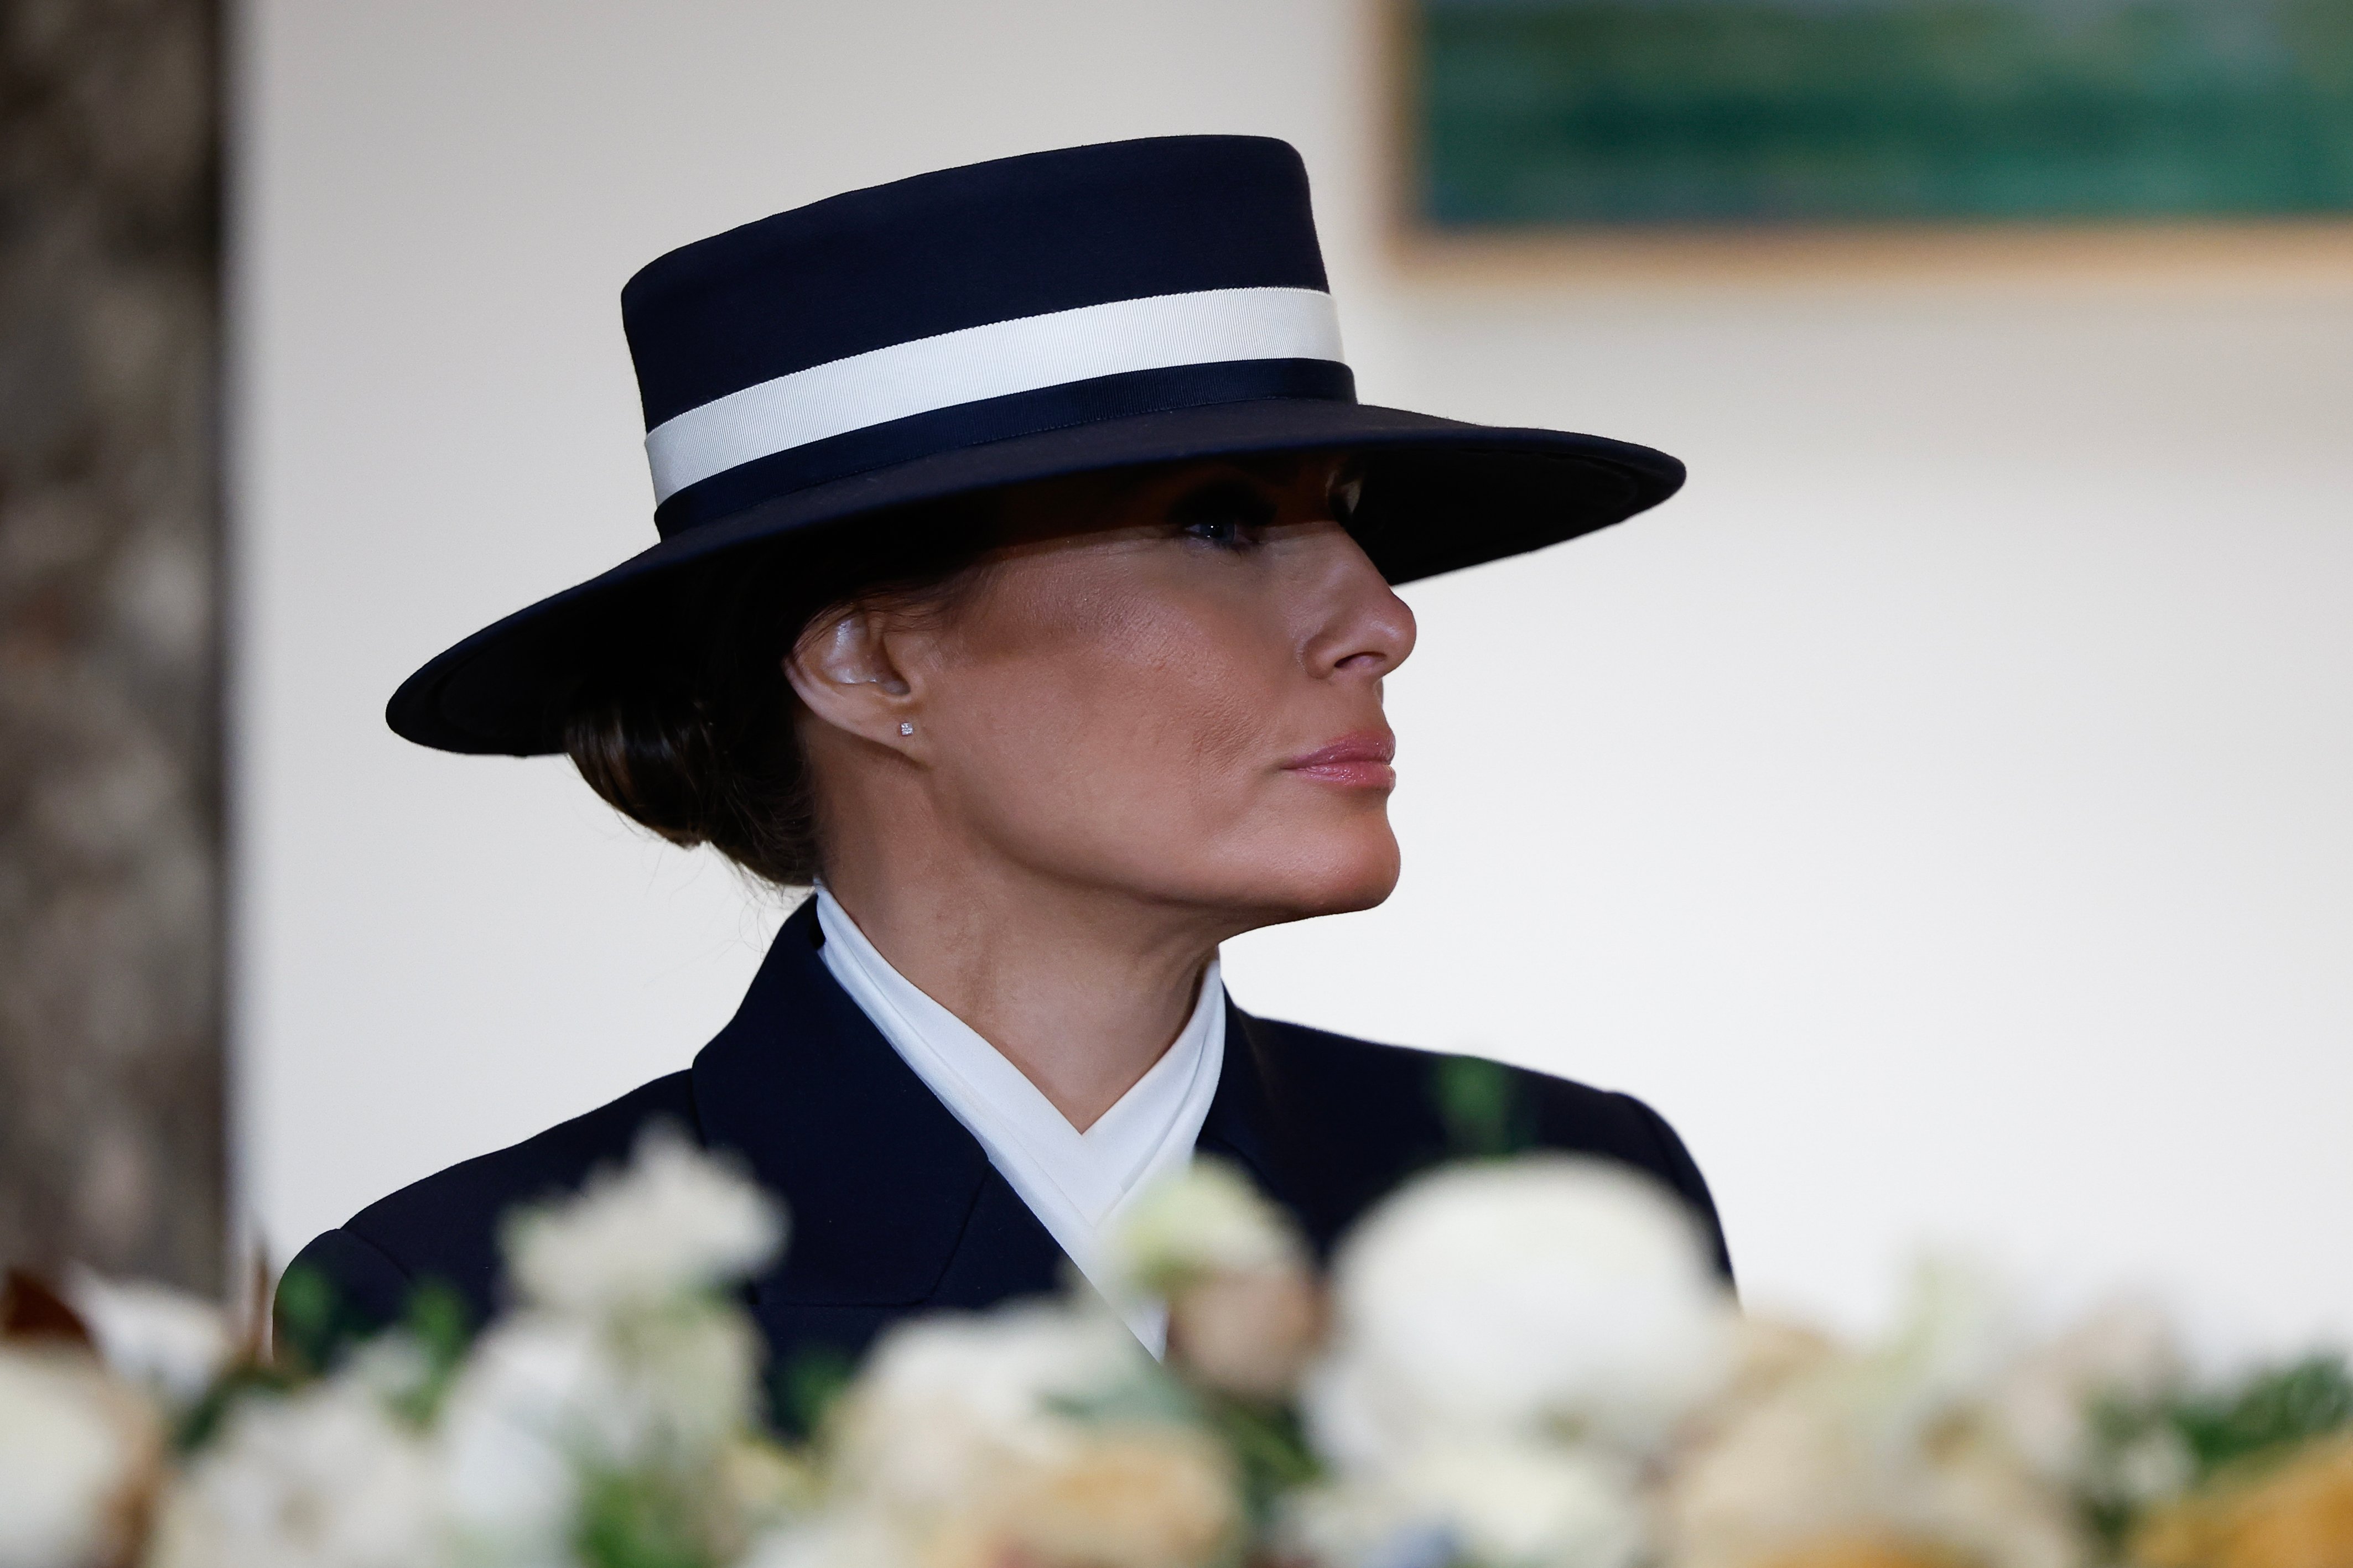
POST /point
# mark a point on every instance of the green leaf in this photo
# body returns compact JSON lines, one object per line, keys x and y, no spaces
{"x":1485,"y":1114}
{"x":802,"y":1391}
{"x":441,"y":1324}
{"x":2272,"y":1412}
{"x":203,"y":1421}
{"x":307,"y":1318}
{"x":630,"y":1520}
{"x":2262,"y":1418}
{"x":1268,"y":1443}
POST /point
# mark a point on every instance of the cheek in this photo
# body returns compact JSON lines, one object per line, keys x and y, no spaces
{"x":1134,"y":739}
{"x":1136,"y":712}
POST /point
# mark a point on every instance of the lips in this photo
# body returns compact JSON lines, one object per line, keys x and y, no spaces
{"x":1360,"y":761}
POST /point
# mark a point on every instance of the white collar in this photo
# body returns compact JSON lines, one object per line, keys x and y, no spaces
{"x":1078,"y":1184}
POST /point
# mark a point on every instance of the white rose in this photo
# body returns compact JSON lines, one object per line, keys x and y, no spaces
{"x":543,"y":1396}
{"x":693,"y":1373}
{"x":1980,"y":1502}
{"x":74,"y":1448}
{"x":1895,"y":1442}
{"x":325,"y":1478}
{"x":1209,"y":1219}
{"x":673,"y":1222}
{"x":838,"y":1539}
{"x":1953,"y":1336}
{"x":536,"y":1391}
{"x":1131,"y":1495}
{"x":1789,"y":1467}
{"x":1497,"y":1505}
{"x":950,"y":1406}
{"x":2043,"y":1402}
{"x":1545,"y":1296}
{"x":1245,"y":1310}
{"x":162,"y":1338}
{"x":1247,"y":1333}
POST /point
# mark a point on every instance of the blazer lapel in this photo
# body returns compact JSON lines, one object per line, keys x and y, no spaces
{"x":892,"y":1204}
{"x":1252,"y":1122}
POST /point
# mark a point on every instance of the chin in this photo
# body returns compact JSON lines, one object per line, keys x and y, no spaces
{"x":1337,"y":875}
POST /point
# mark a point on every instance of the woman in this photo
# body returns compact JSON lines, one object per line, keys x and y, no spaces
{"x":1024,"y":585}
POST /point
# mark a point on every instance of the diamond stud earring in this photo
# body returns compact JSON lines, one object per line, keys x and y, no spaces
{"x":905,"y":728}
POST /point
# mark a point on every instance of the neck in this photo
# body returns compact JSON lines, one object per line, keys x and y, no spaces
{"x":1083,"y":989}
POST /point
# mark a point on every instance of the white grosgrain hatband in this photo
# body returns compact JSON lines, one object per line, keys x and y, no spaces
{"x":1001,"y":358}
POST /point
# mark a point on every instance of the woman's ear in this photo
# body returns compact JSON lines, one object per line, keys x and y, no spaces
{"x":842,"y":670}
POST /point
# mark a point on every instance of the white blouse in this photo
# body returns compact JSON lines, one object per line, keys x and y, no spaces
{"x":1079,"y":1184}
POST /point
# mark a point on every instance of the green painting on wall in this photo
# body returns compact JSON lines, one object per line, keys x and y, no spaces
{"x":1545,"y":113}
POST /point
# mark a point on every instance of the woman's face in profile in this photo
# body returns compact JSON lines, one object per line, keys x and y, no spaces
{"x":1170,"y":684}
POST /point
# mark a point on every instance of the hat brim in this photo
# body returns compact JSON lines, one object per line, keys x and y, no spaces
{"x":1439,"y":495}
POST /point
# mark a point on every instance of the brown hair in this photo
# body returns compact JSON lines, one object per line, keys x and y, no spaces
{"x":688,"y":728}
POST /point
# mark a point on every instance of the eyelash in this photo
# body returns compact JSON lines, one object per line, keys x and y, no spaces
{"x":1224,"y":532}
{"x":1235,"y":530}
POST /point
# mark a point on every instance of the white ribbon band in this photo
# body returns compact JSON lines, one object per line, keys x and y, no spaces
{"x":1000,"y":359}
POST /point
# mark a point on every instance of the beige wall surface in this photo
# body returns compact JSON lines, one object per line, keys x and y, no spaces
{"x":1939,"y":812}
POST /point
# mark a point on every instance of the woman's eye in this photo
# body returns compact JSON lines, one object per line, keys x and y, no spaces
{"x":1226,"y":531}
{"x":1228,"y":516}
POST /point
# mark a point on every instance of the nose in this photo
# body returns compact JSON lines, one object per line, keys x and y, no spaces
{"x":1358,"y":628}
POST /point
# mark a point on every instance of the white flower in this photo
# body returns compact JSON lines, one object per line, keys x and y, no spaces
{"x":674,"y":1222}
{"x":693,"y":1373}
{"x":1546,"y":1297}
{"x":950,"y":1406}
{"x":622,"y":1361}
{"x":73,"y":1450}
{"x":1497,"y":1505}
{"x":1244,"y":1309}
{"x":543,"y":1396}
{"x":1954,"y":1336}
{"x":1039,"y":1434}
{"x":1811,"y":1463}
{"x":2157,"y":1464}
{"x":1208,"y":1220}
{"x":1896,"y":1442}
{"x":162,"y":1338}
{"x":325,"y":1478}
{"x":2042,"y":1404}
{"x":1785,"y":1467}
{"x":510,"y":1431}
{"x":1978,"y":1501}
{"x":1132,"y":1495}
{"x":842,"y":1538}
{"x":1249,"y":1332}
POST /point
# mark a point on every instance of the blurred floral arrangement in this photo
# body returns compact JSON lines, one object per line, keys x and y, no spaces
{"x":1513,"y":1364}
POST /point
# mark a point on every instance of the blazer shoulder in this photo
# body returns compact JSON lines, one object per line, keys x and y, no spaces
{"x":1348,"y":1078}
{"x":445,"y":1228}
{"x":1368,"y":1094}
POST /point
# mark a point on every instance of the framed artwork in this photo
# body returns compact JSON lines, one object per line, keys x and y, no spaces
{"x":1634,"y":118}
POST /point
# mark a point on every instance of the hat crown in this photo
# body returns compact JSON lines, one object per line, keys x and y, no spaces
{"x":958,"y":248}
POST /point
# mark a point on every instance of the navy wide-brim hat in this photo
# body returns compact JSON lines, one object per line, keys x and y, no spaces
{"x":1095,"y":307}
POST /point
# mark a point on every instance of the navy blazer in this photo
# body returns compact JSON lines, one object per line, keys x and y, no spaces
{"x":895,"y":1207}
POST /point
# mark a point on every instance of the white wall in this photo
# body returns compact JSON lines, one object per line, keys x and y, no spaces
{"x":1939,"y":811}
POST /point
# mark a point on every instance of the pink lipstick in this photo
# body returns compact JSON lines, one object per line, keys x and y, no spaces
{"x":1360,"y":761}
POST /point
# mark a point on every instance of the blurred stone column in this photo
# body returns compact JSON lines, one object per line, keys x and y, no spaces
{"x":111,"y":1081}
